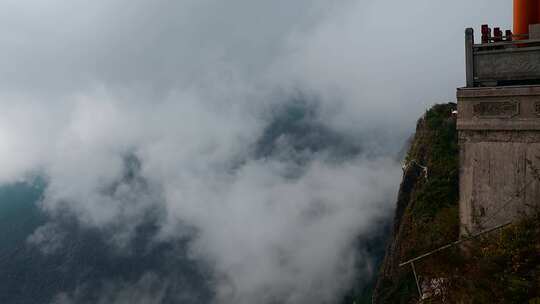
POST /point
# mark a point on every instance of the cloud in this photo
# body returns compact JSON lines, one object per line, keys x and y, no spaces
{"x":188,"y":89}
{"x":297,"y":237}
{"x":48,"y":238}
{"x":378,"y":63}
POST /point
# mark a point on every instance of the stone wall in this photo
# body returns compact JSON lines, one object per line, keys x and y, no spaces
{"x":499,"y":137}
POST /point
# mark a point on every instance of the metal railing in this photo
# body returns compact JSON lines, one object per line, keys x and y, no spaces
{"x":463,"y":240}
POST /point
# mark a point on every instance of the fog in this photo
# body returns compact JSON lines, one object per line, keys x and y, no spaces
{"x":189,"y":89}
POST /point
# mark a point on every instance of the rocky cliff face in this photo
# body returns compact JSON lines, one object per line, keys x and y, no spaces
{"x":500,"y":267}
{"x":427,"y":210}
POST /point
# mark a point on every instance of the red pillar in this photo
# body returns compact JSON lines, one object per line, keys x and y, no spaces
{"x":525,"y":12}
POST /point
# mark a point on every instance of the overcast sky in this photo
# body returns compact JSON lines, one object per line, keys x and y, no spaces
{"x":189,"y":86}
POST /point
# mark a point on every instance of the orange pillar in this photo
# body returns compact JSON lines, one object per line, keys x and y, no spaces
{"x":525,"y":12}
{"x":537,"y":12}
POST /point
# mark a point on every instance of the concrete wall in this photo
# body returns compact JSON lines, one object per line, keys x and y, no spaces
{"x":499,"y":135}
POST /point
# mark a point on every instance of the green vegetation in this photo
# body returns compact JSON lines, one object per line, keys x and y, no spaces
{"x":432,"y":215}
{"x":427,"y":215}
{"x":18,"y":213}
{"x":501,"y":267}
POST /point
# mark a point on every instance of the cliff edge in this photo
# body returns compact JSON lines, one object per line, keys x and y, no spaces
{"x":501,"y":267}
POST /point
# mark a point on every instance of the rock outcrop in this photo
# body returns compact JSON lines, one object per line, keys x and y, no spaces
{"x":426,"y":203}
{"x":500,"y":267}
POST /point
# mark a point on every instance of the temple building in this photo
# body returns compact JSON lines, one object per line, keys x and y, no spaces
{"x":499,"y":123}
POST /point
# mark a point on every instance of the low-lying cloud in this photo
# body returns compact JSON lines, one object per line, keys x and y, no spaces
{"x":133,"y":110}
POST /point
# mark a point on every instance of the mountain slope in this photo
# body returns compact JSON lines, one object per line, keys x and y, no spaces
{"x":501,"y":267}
{"x":426,"y":212}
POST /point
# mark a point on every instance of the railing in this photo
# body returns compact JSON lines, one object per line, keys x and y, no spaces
{"x":502,"y":60}
{"x":468,"y":238}
{"x":448,"y":246}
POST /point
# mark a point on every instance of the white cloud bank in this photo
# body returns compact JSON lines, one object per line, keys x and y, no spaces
{"x":189,"y":86}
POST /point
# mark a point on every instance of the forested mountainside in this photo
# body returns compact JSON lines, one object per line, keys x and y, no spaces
{"x":501,"y":267}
